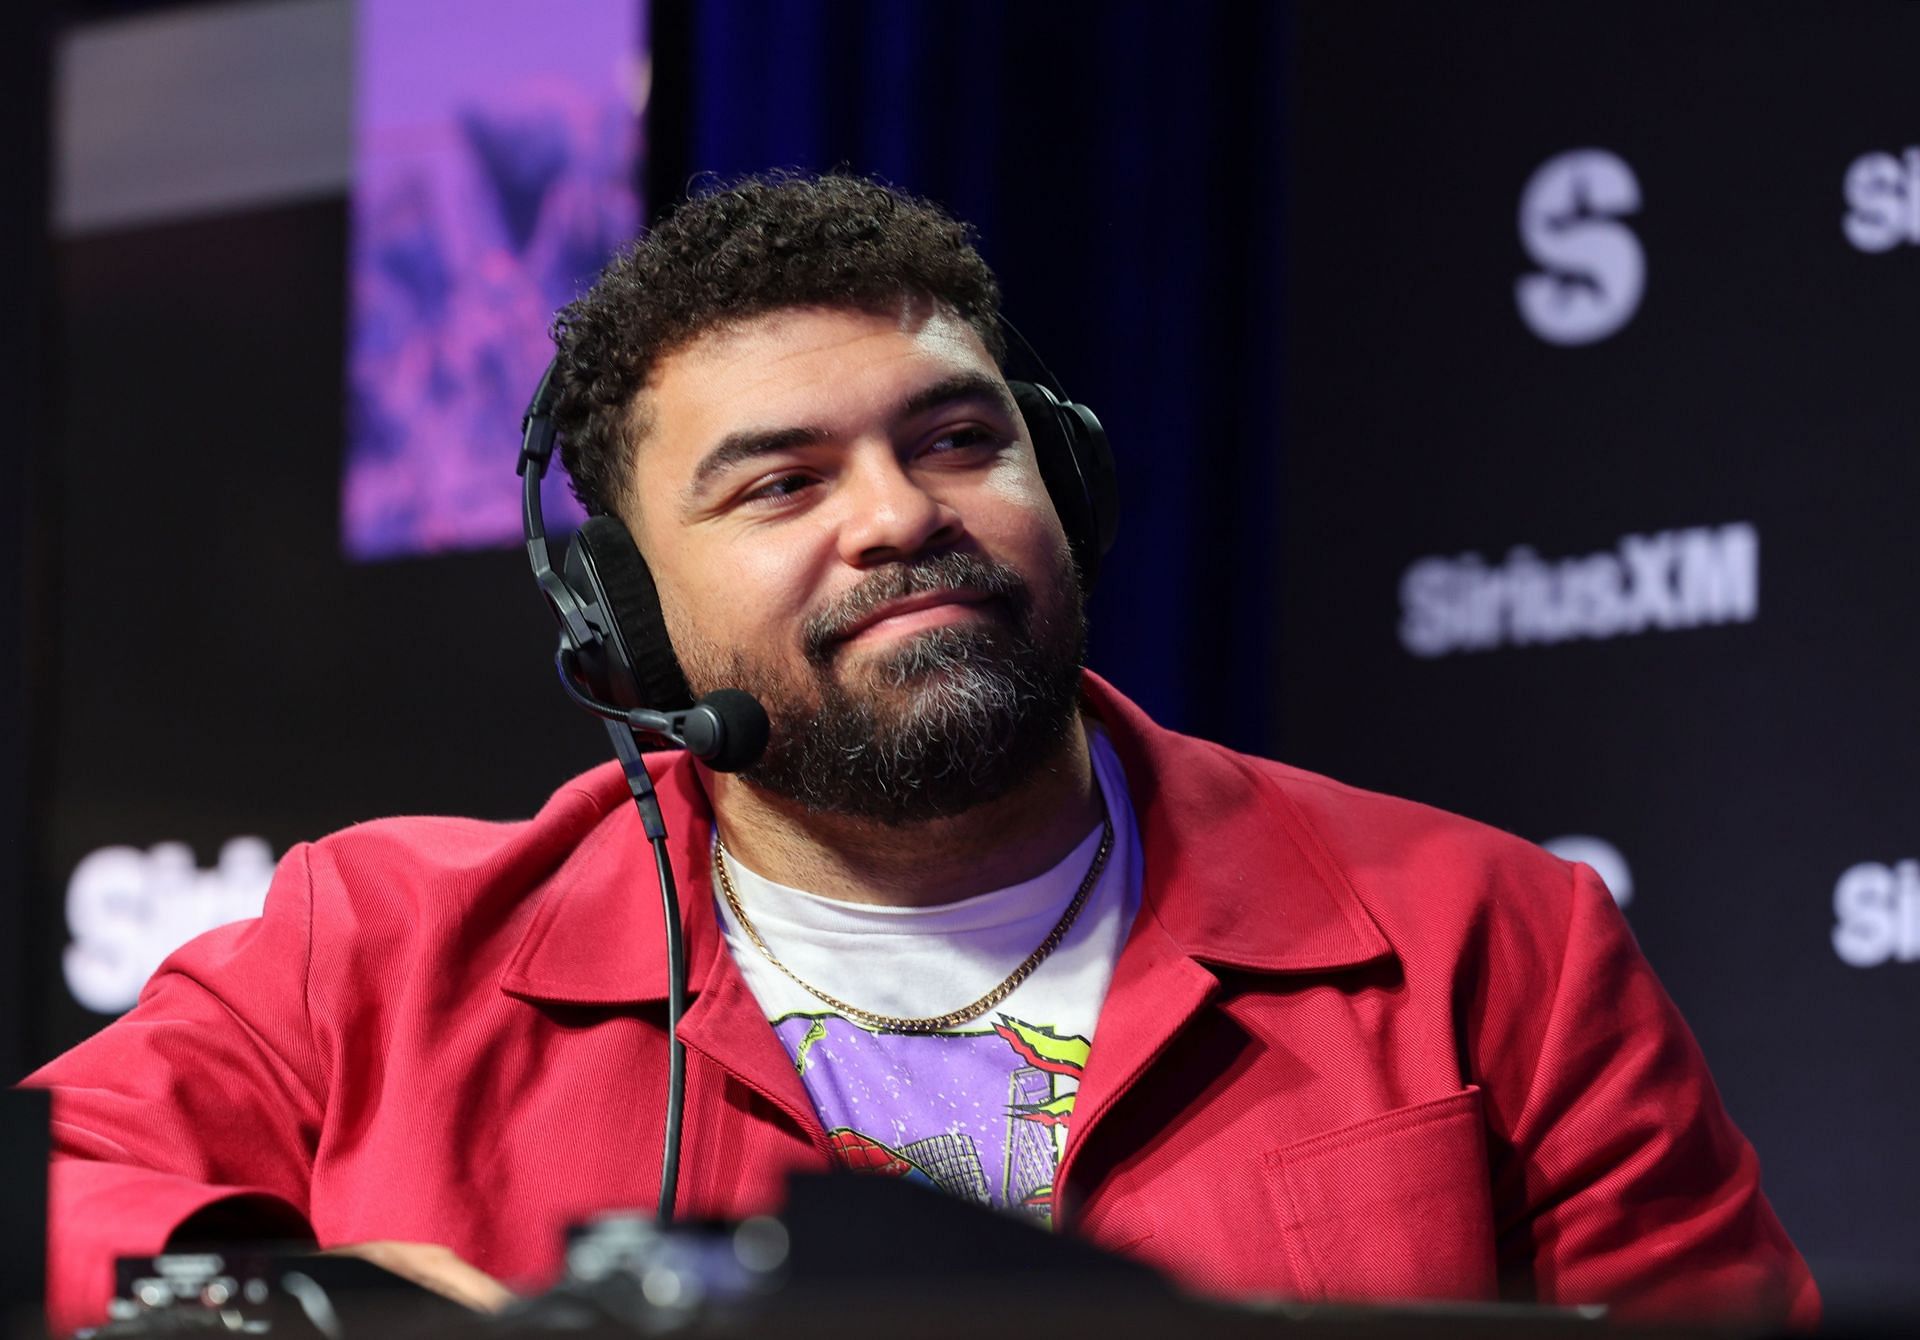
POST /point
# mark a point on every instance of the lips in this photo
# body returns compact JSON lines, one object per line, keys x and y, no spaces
{"x":906,"y":590}
{"x":913,"y":604}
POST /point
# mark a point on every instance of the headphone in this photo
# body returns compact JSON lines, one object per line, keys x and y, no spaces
{"x":614,"y":647}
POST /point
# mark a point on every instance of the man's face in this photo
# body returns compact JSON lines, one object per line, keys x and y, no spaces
{"x":844,"y":517}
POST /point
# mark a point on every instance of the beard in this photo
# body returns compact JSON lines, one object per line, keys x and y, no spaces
{"x":949,"y":719}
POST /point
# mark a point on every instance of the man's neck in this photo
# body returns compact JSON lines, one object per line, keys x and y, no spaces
{"x":995,"y":844}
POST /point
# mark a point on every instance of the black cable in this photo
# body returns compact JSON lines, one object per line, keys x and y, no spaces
{"x":1033,"y":356}
{"x":676,"y":1050}
{"x":644,"y":799}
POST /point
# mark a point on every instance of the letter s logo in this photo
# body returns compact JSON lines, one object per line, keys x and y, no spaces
{"x":1866,"y":915}
{"x":1593,"y":270}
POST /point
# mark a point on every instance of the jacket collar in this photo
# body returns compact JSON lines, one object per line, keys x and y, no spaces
{"x":1234,"y":875}
{"x":1233,"y":872}
{"x":595,"y":937}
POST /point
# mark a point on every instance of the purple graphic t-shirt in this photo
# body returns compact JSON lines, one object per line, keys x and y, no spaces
{"x":983,"y":1111}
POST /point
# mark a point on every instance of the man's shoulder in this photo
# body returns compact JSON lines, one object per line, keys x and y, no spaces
{"x":1445,"y":892}
{"x":1352,"y":824}
{"x":1411,"y":865}
{"x":1359,"y":824}
{"x":422,"y":867}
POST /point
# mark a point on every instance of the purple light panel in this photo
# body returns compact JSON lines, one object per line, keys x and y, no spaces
{"x":497,"y":162}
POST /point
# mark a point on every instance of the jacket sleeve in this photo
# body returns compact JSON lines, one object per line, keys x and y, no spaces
{"x":203,"y":1102}
{"x":1622,"y":1179}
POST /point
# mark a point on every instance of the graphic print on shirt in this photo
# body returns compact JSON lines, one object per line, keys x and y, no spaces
{"x":982,"y":1115}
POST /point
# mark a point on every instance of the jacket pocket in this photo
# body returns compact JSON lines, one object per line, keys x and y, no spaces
{"x":1394,"y":1207}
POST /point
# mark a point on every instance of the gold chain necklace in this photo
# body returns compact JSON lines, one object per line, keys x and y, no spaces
{"x":887,"y":1023}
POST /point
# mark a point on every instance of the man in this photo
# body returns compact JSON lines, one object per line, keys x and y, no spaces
{"x":973,"y":920}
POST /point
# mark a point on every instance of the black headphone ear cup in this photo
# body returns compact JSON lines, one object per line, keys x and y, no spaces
{"x":606,"y":571}
{"x":1095,"y":456}
{"x":1076,"y":465}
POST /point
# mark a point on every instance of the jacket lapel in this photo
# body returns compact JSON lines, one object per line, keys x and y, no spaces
{"x":1233,"y":878}
{"x":726,"y":1026}
{"x":1156,"y":991}
{"x":596,"y":937}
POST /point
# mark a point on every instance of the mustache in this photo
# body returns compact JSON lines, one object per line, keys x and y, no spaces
{"x":938,"y":572}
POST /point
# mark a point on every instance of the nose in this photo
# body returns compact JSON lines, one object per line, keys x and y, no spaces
{"x":891,"y":515}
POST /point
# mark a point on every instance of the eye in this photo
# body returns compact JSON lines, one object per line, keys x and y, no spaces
{"x":972,"y":438}
{"x":776,"y":489}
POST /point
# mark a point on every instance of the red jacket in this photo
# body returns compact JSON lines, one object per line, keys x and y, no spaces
{"x":1354,"y":1048}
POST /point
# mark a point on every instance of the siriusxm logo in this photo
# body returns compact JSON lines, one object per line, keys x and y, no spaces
{"x":1883,"y":201}
{"x":1669,"y":580}
{"x":128,"y":909}
{"x":1592,"y":271}
{"x":1876,"y":911}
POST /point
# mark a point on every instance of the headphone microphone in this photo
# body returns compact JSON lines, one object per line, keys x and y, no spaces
{"x":727,"y":729}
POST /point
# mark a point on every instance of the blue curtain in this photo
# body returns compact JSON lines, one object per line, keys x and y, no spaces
{"x":1123,"y":164}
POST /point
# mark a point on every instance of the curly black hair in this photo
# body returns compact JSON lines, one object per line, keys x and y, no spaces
{"x":737,"y":251}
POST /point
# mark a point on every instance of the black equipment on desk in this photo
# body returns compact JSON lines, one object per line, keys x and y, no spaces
{"x":279,"y":1289}
{"x":850,"y":1257}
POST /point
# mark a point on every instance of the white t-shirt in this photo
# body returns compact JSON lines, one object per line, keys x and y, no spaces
{"x":982,"y":1111}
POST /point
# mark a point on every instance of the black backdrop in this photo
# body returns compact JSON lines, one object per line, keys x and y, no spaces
{"x":1125,"y":173}
{"x":1278,"y":251}
{"x":1764,"y":380}
{"x":24,"y":254}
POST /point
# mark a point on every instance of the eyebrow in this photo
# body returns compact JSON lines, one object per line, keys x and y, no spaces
{"x":749,"y":443}
{"x":957,"y":389}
